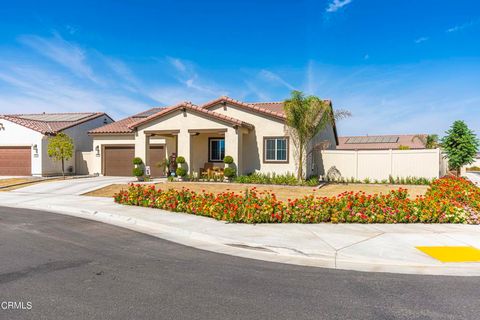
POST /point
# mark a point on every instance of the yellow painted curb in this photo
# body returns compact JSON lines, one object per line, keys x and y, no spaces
{"x":452,"y":254}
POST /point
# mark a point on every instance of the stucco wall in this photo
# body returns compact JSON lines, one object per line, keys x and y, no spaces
{"x":17,"y":135}
{"x":253,"y":143}
{"x":380,"y":164}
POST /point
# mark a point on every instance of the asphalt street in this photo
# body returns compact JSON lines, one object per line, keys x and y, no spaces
{"x":71,"y":268}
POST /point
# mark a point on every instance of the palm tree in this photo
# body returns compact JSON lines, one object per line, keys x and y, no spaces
{"x":305,"y":117}
{"x":430,"y":141}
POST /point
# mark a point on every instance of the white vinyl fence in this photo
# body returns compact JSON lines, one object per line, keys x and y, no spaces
{"x":381,"y":164}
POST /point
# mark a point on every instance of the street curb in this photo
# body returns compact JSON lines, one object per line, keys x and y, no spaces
{"x":254,"y":250}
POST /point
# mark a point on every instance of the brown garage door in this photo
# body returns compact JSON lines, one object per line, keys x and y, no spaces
{"x":157,"y":156}
{"x":15,"y":161}
{"x":118,"y":160}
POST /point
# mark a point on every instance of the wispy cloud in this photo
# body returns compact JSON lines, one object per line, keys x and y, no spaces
{"x":63,"y":52}
{"x":463,"y":26}
{"x":335,"y":5}
{"x":421,"y":39}
{"x":275,"y":79}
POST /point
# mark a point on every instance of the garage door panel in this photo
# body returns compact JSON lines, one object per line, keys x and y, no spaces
{"x":118,"y":160}
{"x":15,"y":161}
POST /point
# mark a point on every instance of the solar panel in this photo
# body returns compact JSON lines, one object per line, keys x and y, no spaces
{"x":55,"y":117}
{"x":372,"y":139}
{"x":147,"y":113}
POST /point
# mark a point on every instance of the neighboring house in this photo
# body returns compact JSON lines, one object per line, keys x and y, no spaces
{"x":24,"y":140}
{"x":383,"y":142}
{"x":254,"y":134}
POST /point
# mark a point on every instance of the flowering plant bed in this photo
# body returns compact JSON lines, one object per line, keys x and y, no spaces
{"x":448,"y":200}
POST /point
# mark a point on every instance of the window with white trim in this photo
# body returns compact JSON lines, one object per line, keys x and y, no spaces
{"x":216,"y":149}
{"x":276,"y":149}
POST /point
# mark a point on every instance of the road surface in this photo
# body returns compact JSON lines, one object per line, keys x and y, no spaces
{"x":70,"y":268}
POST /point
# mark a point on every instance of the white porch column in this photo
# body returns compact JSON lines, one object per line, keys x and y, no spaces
{"x":184,"y":149}
{"x":233,"y":147}
{"x":142,"y":143}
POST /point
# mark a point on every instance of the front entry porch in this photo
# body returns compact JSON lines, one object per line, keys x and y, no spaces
{"x":202,"y":148}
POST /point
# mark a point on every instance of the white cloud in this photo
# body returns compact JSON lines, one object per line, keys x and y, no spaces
{"x":337,"y":4}
{"x":275,"y":79}
{"x":421,"y":39}
{"x":463,"y":26}
{"x":65,"y":53}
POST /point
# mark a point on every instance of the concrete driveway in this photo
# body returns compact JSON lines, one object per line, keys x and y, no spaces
{"x":74,"y":186}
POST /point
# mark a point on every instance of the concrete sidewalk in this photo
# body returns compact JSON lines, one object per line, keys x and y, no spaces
{"x":375,"y":247}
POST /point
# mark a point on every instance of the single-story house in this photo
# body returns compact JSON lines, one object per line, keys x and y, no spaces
{"x":24,"y":140}
{"x":381,"y":142}
{"x":254,"y":134}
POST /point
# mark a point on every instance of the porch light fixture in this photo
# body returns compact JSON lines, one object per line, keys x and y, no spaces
{"x":35,"y":150}
{"x":1,"y":127}
{"x":97,"y":150}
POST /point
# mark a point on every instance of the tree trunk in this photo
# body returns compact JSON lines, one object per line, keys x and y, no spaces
{"x":63,"y":169}
{"x":300,"y":162}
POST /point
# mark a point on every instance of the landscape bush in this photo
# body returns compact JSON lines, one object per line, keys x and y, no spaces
{"x":448,"y":200}
{"x":137,"y":161}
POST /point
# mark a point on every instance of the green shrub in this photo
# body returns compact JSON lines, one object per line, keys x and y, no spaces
{"x":137,"y":161}
{"x":312,"y":182}
{"x":229,"y":172}
{"x":181,"y":172}
{"x":137,"y":172}
{"x":180,"y":160}
{"x":228,"y":160}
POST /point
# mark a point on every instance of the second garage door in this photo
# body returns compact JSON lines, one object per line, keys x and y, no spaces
{"x":118,"y":160}
{"x":15,"y":161}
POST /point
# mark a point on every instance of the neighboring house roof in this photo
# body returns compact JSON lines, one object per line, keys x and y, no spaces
{"x":122,"y":126}
{"x":190,"y":106}
{"x":380,"y":142}
{"x":51,"y":123}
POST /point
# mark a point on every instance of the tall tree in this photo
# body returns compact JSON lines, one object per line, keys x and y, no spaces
{"x":461,"y":145}
{"x":305,"y":117}
{"x":60,"y":148}
{"x":430,"y":141}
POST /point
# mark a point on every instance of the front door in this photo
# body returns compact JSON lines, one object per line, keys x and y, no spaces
{"x":157,"y":158}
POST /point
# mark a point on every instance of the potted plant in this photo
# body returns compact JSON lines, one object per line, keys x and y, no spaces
{"x":165,"y":165}
{"x":181,"y":172}
{"x":138,"y":169}
{"x":229,"y":172}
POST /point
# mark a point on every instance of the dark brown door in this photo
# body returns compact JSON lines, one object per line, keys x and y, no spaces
{"x":15,"y":161}
{"x":157,"y":156}
{"x":118,"y":161}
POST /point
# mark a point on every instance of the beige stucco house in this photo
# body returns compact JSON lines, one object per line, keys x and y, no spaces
{"x":24,"y":141}
{"x":254,"y":134}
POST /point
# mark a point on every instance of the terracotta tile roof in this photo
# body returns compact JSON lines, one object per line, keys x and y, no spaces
{"x":122,"y":126}
{"x":271,"y":109}
{"x":51,"y":123}
{"x":190,"y":106}
{"x":272,"y":106}
{"x":380,"y":142}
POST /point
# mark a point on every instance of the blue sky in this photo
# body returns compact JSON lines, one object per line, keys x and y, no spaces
{"x":398,"y":66}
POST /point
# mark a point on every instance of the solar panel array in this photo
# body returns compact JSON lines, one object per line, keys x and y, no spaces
{"x":55,"y":117}
{"x":372,"y":139}
{"x":148,"y":113}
